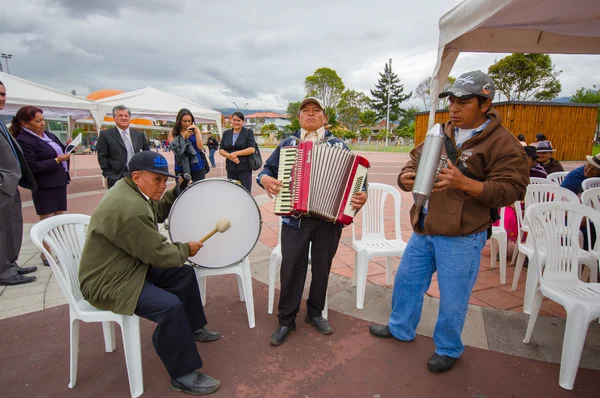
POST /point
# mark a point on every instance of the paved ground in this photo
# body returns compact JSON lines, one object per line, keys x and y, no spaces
{"x":488,"y":327}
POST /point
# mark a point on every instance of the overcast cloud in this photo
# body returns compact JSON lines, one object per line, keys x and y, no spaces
{"x":216,"y":52}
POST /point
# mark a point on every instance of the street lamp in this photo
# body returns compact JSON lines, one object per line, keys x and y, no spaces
{"x":387,"y":120}
{"x":238,"y":108}
{"x":6,"y":57}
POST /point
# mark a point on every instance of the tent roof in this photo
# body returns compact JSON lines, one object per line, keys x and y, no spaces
{"x":54,"y":103}
{"x":505,"y":26}
{"x":149,"y":102}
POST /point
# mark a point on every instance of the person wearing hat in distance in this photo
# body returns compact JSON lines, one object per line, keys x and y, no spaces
{"x":450,"y":229}
{"x":545,"y":158}
{"x":298,"y":233}
{"x":128,"y":267}
{"x":535,"y":169}
{"x":576,"y":176}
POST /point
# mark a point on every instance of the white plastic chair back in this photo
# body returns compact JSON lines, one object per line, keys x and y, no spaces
{"x":591,"y":198}
{"x":542,"y":193}
{"x":373,"y":213}
{"x":65,"y":234}
{"x":588,"y":183}
{"x":540,"y":181}
{"x":557,"y":177}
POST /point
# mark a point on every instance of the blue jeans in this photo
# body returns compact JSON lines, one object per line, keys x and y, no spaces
{"x":456,"y":260}
{"x":211,"y":157}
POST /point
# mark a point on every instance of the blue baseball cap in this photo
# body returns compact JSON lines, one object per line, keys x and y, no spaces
{"x":150,"y":161}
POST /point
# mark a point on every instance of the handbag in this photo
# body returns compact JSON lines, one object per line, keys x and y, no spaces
{"x":206,"y":165}
{"x":255,"y":160}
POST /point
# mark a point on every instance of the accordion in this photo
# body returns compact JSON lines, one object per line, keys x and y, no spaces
{"x":319,"y":180}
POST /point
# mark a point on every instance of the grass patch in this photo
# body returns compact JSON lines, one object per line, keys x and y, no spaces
{"x":596,"y":150}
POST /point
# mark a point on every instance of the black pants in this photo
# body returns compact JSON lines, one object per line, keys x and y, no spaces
{"x":325,"y":237}
{"x":244,"y":177}
{"x":170,"y":297}
{"x":11,"y":236}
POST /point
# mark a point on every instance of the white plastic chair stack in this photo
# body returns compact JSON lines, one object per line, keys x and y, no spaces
{"x":373,"y":242}
{"x":588,"y":183}
{"x":274,"y":264}
{"x":540,"y":181}
{"x":65,"y":234}
{"x":557,"y":177}
{"x":559,"y":279}
{"x":499,"y":241}
{"x":244,"y":277}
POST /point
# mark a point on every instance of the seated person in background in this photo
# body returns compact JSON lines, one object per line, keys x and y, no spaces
{"x":535,"y":169}
{"x":521,"y":139}
{"x":575,"y":177}
{"x":128,"y":267}
{"x":545,"y":158}
{"x":538,"y":138}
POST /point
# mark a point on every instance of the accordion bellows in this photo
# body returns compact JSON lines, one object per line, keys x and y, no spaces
{"x":319,"y":180}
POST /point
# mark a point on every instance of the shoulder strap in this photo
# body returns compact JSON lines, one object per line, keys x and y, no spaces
{"x":452,"y":155}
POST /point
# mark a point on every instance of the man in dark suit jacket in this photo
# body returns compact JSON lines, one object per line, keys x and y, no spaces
{"x":14,"y":171}
{"x":117,"y":145}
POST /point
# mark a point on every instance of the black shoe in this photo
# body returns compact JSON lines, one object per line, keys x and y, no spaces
{"x":17,"y":280}
{"x":381,"y":331}
{"x":440,"y":363}
{"x":26,"y":270}
{"x":195,"y":383}
{"x":44,"y":261}
{"x":280,"y":335}
{"x":205,"y":335}
{"x":319,"y":323}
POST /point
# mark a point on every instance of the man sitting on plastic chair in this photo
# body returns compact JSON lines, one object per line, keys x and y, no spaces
{"x":128,"y":267}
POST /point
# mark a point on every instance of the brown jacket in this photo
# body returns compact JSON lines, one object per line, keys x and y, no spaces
{"x":493,"y":156}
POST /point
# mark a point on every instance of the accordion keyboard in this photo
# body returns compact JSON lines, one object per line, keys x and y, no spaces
{"x":284,"y":201}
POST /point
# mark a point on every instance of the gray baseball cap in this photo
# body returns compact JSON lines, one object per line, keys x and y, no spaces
{"x":471,"y":84}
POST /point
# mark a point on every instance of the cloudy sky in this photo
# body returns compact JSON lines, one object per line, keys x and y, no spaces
{"x":216,"y":52}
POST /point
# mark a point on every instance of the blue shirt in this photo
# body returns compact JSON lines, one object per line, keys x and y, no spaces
{"x":573,"y":180}
{"x":200,"y":164}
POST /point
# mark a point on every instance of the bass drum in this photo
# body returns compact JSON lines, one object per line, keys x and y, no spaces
{"x":196,"y":212}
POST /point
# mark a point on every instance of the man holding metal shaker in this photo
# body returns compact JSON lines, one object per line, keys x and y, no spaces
{"x":482,"y":167}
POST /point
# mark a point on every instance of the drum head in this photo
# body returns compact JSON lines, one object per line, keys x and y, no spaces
{"x":196,"y":212}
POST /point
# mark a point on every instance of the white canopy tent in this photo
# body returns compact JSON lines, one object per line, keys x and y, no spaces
{"x":506,"y":26}
{"x":54,"y":103}
{"x":151,"y":103}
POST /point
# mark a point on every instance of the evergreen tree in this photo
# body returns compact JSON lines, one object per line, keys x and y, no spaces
{"x":388,"y":79}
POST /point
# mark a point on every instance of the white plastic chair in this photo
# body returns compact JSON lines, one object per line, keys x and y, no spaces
{"x":274,"y":264}
{"x":373,"y":242}
{"x":540,"y":181}
{"x":559,"y":279}
{"x":557,"y":177}
{"x":588,"y":183}
{"x":519,"y":212}
{"x":499,"y":241}
{"x":65,"y":234}
{"x":244,"y":276}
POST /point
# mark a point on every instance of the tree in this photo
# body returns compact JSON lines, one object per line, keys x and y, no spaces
{"x":423,"y":91}
{"x":409,"y":117}
{"x":368,"y":117}
{"x":365,"y":133}
{"x":388,"y":80}
{"x":350,"y":107}
{"x":524,"y":77}
{"x":293,"y":109}
{"x":268,"y":128}
{"x":383,"y":134}
{"x":588,"y":96}
{"x":326,"y":85}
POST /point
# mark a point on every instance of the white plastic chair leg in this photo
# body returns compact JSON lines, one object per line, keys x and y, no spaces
{"x":513,"y":259}
{"x":202,"y":288}
{"x":325,"y":313}
{"x":388,"y":271}
{"x":130,"y":330}
{"x":109,"y":336}
{"x":74,"y":352}
{"x":535,"y":310}
{"x":354,"y":271}
{"x":531,"y":286}
{"x":518,"y":268}
{"x":240,"y":281}
{"x":361,"y":269}
{"x":502,"y":248}
{"x":247,"y":288}
{"x":575,"y":331}
{"x":272,"y":277}
{"x":493,"y":252}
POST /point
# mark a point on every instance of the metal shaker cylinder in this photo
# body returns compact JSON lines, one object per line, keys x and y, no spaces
{"x":428,"y":164}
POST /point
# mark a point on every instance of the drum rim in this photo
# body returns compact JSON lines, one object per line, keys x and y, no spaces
{"x":229,"y":180}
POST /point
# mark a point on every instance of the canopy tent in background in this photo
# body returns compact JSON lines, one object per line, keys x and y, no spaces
{"x":54,"y":103}
{"x":507,"y":26}
{"x":151,"y":103}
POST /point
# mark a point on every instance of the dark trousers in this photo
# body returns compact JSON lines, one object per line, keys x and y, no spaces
{"x":11,"y":236}
{"x":170,"y":297}
{"x":325,"y":237}
{"x":244,"y":177}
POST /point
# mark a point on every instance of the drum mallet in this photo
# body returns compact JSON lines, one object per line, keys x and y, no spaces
{"x":222,"y":226}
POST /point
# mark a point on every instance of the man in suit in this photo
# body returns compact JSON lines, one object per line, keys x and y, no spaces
{"x":14,"y":171}
{"x":117,"y":145}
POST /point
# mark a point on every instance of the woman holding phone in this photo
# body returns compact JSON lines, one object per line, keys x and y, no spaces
{"x":186,"y":143}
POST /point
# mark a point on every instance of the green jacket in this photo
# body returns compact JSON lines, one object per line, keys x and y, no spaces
{"x":122,"y":243}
